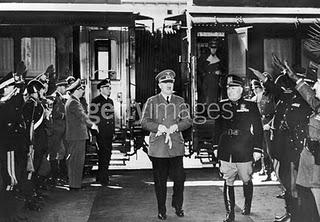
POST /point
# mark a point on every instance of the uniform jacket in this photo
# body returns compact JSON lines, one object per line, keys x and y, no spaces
{"x":290,"y":123}
{"x":58,"y":114}
{"x":76,"y":120}
{"x":238,"y":129}
{"x":103,"y":116}
{"x":157,"y":111}
{"x":266,"y":107}
{"x":309,"y":95}
{"x":12,"y":125}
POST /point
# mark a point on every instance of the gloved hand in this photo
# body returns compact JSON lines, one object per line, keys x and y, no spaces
{"x":257,"y":156}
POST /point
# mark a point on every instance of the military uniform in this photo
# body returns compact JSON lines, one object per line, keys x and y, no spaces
{"x":104,"y":116}
{"x":239,"y":134}
{"x":290,"y":122}
{"x":166,"y":149}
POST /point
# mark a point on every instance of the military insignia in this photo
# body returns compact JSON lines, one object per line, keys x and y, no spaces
{"x":243,"y":108}
{"x":229,"y":79}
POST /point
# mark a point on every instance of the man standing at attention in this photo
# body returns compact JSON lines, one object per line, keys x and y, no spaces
{"x":239,"y":135}
{"x":166,"y":115}
{"x":76,"y":134}
{"x":103,"y":113}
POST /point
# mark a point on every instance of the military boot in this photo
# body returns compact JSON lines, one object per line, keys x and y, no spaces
{"x":229,"y":201}
{"x":247,"y":191}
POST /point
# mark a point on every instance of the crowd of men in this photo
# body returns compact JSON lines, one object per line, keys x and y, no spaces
{"x":43,"y":136}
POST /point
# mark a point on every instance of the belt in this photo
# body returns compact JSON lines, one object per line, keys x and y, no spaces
{"x":232,"y":132}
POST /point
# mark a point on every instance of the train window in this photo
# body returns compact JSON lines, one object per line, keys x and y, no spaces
{"x":106,"y":58}
{"x":283,"y":48}
{"x":38,"y":53}
{"x":6,"y":56}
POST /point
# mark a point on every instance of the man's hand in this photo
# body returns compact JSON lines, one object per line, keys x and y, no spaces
{"x":173,"y":128}
{"x":277,"y":63}
{"x":290,"y":72}
{"x":266,"y":127}
{"x":256,"y":156}
{"x":258,"y":74}
{"x":162,"y":128}
{"x":95,"y":127}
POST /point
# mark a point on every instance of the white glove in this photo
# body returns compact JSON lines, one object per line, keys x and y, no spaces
{"x":162,"y":128}
{"x":257,"y":156}
{"x":95,"y":127}
{"x":266,"y":127}
{"x":173,"y":128}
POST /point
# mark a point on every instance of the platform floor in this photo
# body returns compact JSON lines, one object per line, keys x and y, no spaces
{"x":130,"y":197}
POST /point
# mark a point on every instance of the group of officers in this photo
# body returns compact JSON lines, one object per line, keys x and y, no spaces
{"x":43,"y":135}
{"x":272,"y":125}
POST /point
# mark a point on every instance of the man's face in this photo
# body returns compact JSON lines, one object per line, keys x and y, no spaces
{"x":257,"y":90}
{"x":106,"y":90}
{"x":62,"y":89}
{"x":213,"y":50}
{"x":166,"y":87}
{"x":234,"y":92}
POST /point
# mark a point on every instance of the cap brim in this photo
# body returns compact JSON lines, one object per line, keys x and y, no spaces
{"x":167,"y":80}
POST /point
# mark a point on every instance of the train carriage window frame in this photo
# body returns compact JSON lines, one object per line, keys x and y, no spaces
{"x":105,"y":50}
{"x":38,"y":53}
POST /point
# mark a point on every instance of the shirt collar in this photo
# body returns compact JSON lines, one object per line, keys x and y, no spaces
{"x":165,"y":97}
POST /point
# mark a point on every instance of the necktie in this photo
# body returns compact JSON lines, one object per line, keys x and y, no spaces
{"x":168,"y":101}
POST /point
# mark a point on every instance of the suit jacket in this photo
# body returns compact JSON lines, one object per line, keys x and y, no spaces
{"x":157,"y":111}
{"x":76,"y":120}
{"x":58,"y":114}
{"x":103,"y":116}
{"x":242,"y":118}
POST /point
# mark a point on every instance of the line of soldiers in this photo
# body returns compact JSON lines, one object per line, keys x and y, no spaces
{"x":289,"y":141}
{"x":32,"y":128}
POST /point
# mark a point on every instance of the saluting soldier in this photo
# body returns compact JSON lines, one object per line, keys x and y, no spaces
{"x":290,"y":122}
{"x":56,"y":141}
{"x":166,"y":115}
{"x":239,"y":135}
{"x":266,"y":106}
{"x":103,"y":115}
{"x":13,"y":133}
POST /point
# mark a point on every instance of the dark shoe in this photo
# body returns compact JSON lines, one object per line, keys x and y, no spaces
{"x":162,"y":216}
{"x":282,"y":195}
{"x":74,"y":189}
{"x":179,"y":212}
{"x":248,"y":192}
{"x":285,"y":218}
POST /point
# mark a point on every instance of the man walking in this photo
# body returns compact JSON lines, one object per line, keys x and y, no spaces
{"x":166,"y":115}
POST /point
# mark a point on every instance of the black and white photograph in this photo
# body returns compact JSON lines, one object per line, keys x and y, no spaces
{"x":159,"y":110}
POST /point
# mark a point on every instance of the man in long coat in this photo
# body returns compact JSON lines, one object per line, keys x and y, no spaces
{"x":166,"y":115}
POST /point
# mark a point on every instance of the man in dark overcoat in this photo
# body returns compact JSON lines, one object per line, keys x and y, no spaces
{"x":166,"y":115}
{"x":102,"y":112}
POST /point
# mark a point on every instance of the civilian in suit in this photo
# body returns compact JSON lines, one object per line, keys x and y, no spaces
{"x":103,"y":115}
{"x":239,"y":135}
{"x":77,"y":122}
{"x":166,"y":115}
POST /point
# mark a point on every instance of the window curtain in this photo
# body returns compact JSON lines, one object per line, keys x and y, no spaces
{"x":38,"y":54}
{"x":282,"y":48}
{"x":6,"y":56}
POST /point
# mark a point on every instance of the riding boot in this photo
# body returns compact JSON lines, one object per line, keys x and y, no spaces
{"x":248,"y":192}
{"x":229,"y":201}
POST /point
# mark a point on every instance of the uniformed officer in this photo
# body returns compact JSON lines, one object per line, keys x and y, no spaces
{"x":266,"y":106}
{"x":56,"y":139}
{"x":102,"y":112}
{"x":165,"y":115}
{"x":290,"y":122}
{"x":239,"y":135}
{"x":13,"y":133}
